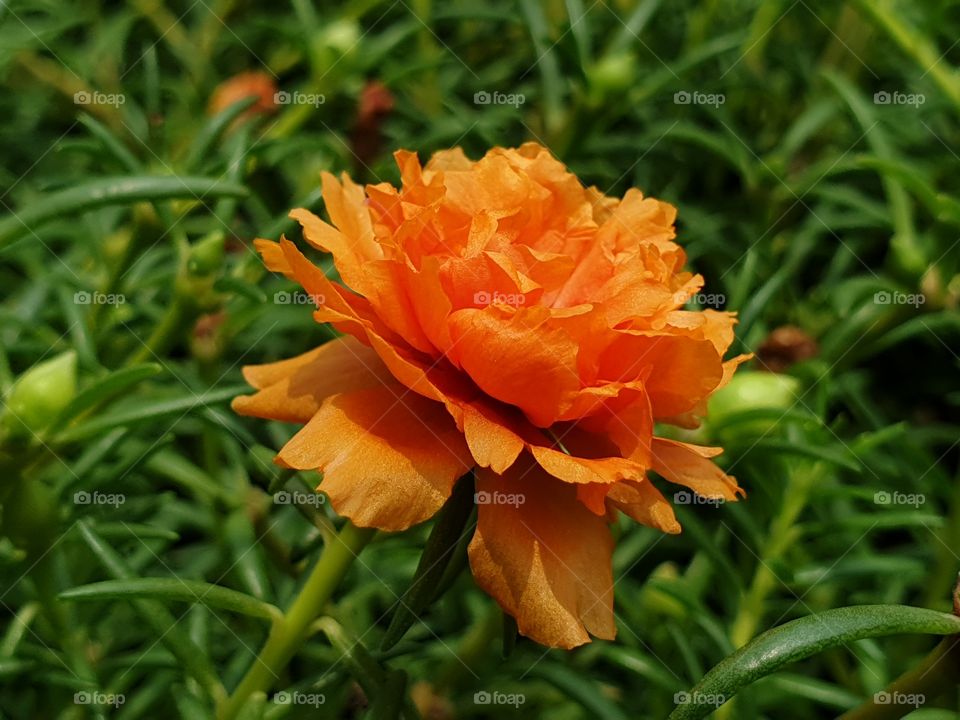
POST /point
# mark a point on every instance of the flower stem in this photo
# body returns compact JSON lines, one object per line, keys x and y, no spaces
{"x":288,"y":634}
{"x":782,"y":536}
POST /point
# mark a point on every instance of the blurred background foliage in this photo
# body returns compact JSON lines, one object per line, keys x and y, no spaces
{"x":812,"y":151}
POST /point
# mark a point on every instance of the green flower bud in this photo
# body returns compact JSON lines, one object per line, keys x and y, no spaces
{"x":207,"y":254}
{"x":341,"y":35}
{"x":612,"y":74}
{"x":751,"y":391}
{"x":40,"y":394}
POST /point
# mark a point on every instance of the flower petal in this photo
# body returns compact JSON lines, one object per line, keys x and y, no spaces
{"x":546,"y":561}
{"x":508,"y":354}
{"x":389,"y":457}
{"x":573,"y":469}
{"x":641,"y":501}
{"x":689,"y":465}
{"x":292,"y":390}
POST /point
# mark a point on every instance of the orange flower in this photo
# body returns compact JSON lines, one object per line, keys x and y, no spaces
{"x":497,"y":315}
{"x":241,"y":86}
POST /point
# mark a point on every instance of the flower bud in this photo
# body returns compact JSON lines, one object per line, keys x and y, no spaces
{"x":612,"y":74}
{"x":207,"y":254}
{"x":40,"y":394}
{"x":751,"y":391}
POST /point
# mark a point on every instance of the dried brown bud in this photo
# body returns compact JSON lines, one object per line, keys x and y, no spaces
{"x":785,"y":346}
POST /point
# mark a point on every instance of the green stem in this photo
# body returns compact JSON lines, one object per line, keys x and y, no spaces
{"x":287,"y":635}
{"x":936,"y":675}
{"x":783,"y":534}
{"x":165,"y":333}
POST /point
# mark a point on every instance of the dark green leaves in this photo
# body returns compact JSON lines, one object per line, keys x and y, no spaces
{"x":440,"y":550}
{"x":178,"y":590}
{"x":111,"y":191}
{"x":802,"y":638}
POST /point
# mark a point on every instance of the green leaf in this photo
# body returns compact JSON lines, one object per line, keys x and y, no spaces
{"x":147,"y":410}
{"x":175,"y":589}
{"x":127,"y":530}
{"x":439,"y":550}
{"x":580,"y":688}
{"x":111,"y":191}
{"x":193,"y":658}
{"x":801,"y":639}
{"x":213,"y":129}
{"x":388,"y":703}
{"x":105,"y":389}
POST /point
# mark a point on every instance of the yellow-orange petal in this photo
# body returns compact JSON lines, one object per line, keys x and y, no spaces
{"x":508,"y":355}
{"x":273,"y":257}
{"x":594,"y":496}
{"x":690,"y":465}
{"x":389,"y":456}
{"x":547,"y":561}
{"x":573,"y":469}
{"x":492,"y":441}
{"x":641,"y":501}
{"x":292,"y":390}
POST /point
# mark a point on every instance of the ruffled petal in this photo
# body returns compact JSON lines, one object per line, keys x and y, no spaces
{"x":507,"y":355}
{"x":547,"y":560}
{"x":292,"y":390}
{"x":689,"y":465}
{"x":389,"y":457}
{"x":641,"y":501}
{"x":573,"y":469}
